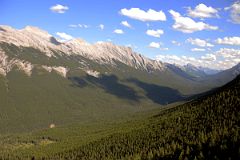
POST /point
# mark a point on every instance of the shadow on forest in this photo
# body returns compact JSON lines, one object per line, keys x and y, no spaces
{"x":110,"y":84}
{"x":159,"y":94}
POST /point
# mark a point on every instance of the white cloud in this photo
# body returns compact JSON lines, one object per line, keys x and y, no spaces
{"x":79,"y":26}
{"x":209,"y":57}
{"x":182,"y":60}
{"x":154,"y":45}
{"x":155,"y":33}
{"x":58,"y":8}
{"x":164,"y":49}
{"x":198,"y":49}
{"x":176,"y":43}
{"x":83,"y":26}
{"x":229,"y":41}
{"x":126,"y":24}
{"x":158,"y":45}
{"x":224,"y":58}
{"x":202,"y":11}
{"x":64,"y":36}
{"x":132,"y":46}
{"x":235,"y":12}
{"x":150,"y":15}
{"x":199,"y":42}
{"x":168,"y":58}
{"x":101,"y":26}
{"x":179,"y":60}
{"x":118,"y":31}
{"x":187,"y":25}
{"x":73,"y":25}
{"x":99,"y":42}
{"x":229,"y":53}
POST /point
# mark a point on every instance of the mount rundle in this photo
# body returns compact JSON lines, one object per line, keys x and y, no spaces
{"x":103,"y":53}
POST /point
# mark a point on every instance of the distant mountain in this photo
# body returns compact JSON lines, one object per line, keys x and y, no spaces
{"x":198,"y":71}
{"x":209,"y":71}
{"x":192,"y":72}
{"x":211,"y":76}
{"x":77,"y":81}
{"x":181,"y":71}
{"x":223,"y":76}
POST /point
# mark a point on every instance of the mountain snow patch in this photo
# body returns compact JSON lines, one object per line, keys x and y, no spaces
{"x":61,"y":70}
{"x":47,"y":68}
{"x":2,"y":72}
{"x":25,"y":67}
{"x":6,"y":65}
{"x":93,"y":73}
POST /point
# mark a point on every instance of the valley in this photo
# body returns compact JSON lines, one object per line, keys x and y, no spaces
{"x":173,"y":132}
{"x":77,"y":100}
{"x":61,"y":85}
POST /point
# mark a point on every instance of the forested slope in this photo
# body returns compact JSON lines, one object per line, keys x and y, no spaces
{"x":207,"y":128}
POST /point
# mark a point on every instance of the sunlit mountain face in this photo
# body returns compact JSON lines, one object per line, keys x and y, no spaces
{"x":119,"y":80}
{"x":184,"y":33}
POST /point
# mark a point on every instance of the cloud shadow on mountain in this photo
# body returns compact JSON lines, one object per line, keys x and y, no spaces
{"x":78,"y":82}
{"x":109,"y":83}
{"x":159,"y":94}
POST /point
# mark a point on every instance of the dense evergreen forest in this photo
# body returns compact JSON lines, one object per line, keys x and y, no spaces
{"x":206,"y":128}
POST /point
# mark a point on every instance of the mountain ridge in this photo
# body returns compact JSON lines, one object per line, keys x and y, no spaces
{"x":105,"y":53}
{"x":102,"y":53}
{"x":87,"y":82}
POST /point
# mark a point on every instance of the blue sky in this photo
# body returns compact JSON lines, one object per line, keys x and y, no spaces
{"x":199,"y":32}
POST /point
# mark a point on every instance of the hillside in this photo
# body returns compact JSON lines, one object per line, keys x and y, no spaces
{"x":119,"y":80}
{"x":206,"y":128}
{"x":44,"y":81}
{"x":223,"y":76}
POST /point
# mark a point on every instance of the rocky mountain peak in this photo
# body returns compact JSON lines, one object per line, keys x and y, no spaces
{"x":4,"y":28}
{"x":77,"y":41}
{"x":104,"y":53}
{"x":36,"y":31}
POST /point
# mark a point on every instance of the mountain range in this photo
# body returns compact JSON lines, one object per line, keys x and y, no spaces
{"x":204,"y":128}
{"x":196,"y":71}
{"x":78,"y":81}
